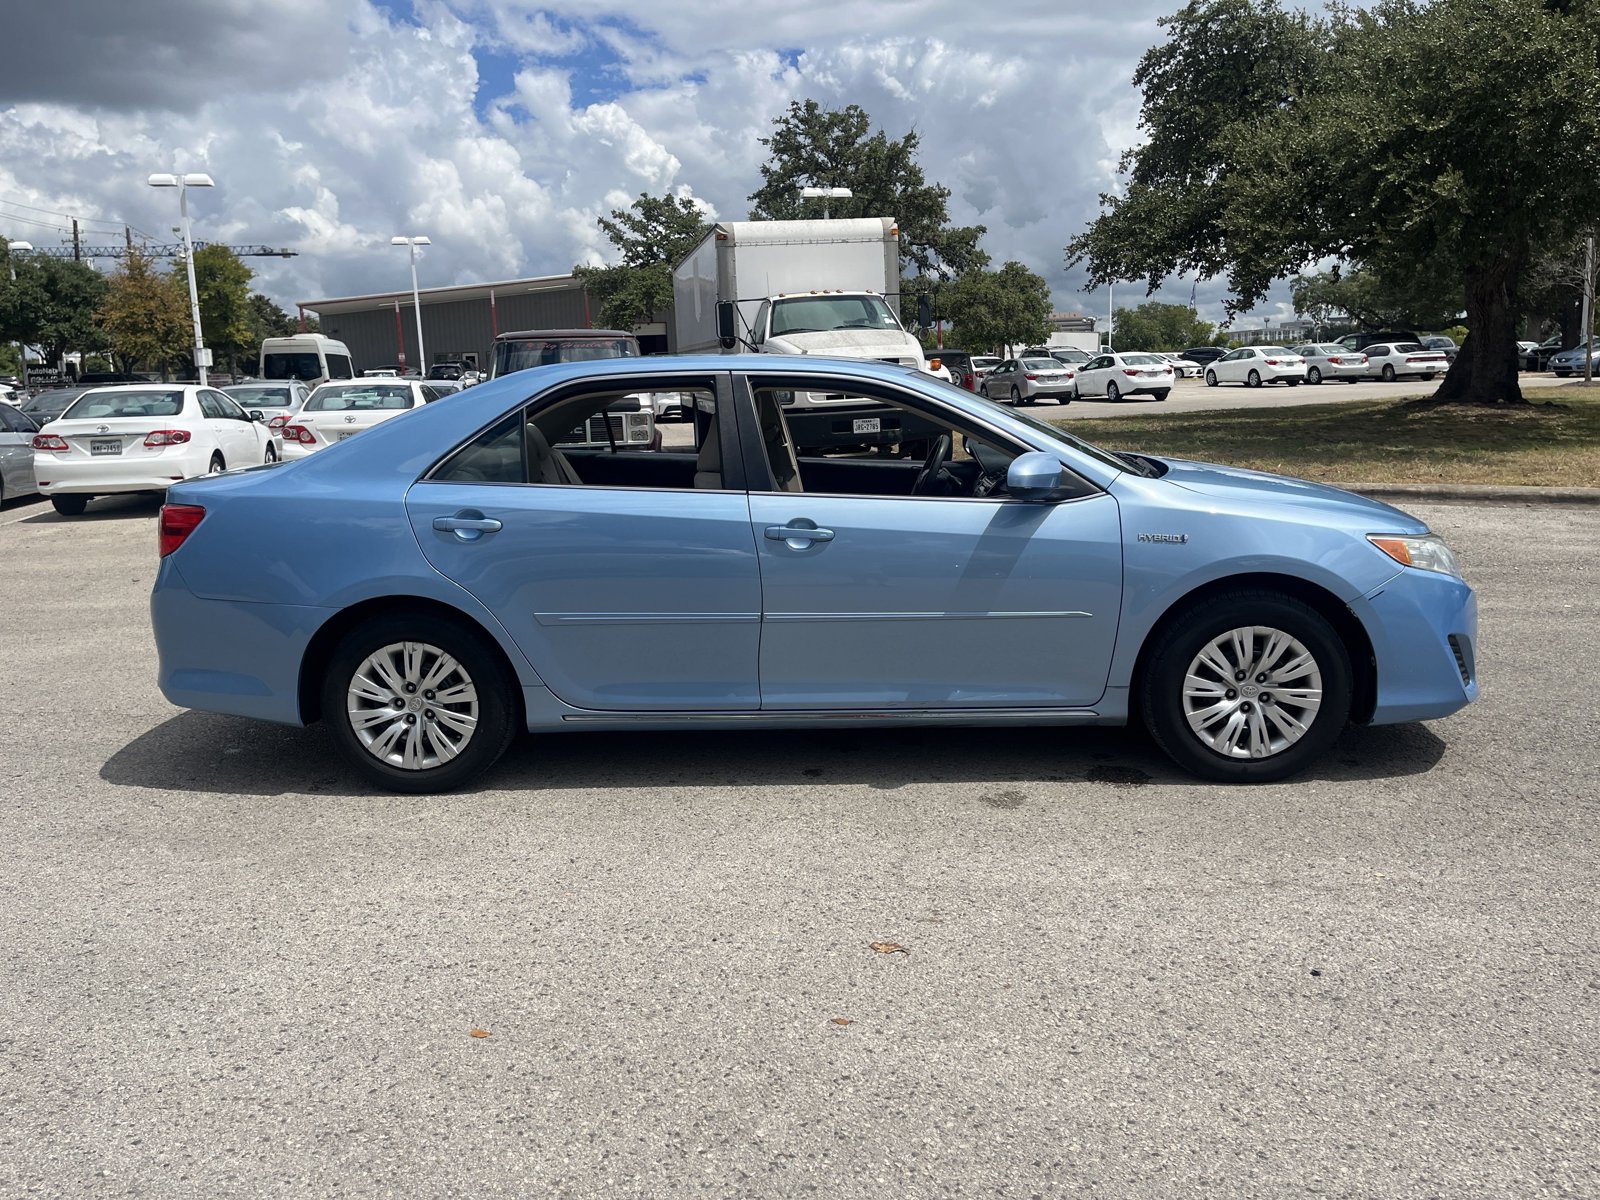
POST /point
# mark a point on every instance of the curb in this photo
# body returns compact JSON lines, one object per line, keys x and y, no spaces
{"x":1474,"y":493}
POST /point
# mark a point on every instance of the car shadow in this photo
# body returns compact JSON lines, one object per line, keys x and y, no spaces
{"x":101,"y":508}
{"x":208,"y":753}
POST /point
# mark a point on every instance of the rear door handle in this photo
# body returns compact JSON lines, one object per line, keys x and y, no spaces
{"x":798,"y":536}
{"x":469,"y":525}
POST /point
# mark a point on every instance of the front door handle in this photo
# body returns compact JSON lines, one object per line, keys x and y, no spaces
{"x":469,"y":525}
{"x":798,"y":536}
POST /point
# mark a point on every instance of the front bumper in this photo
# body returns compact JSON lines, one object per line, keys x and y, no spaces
{"x":1424,"y":631}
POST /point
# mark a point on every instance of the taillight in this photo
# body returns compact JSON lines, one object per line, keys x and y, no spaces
{"x":1416,"y":360}
{"x":49,"y":441}
{"x":167,"y":437}
{"x":277,"y":422}
{"x":1166,"y":370}
{"x":178,"y":521}
{"x":1272,"y":362}
{"x":1027,"y":376}
{"x":1130,"y":371}
{"x":298,"y":433}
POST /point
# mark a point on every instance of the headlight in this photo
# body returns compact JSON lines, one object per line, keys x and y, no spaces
{"x":1427,"y":553}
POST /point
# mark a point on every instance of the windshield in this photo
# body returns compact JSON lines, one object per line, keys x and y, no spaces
{"x":1073,"y":356}
{"x":1040,"y":364}
{"x":261,"y":397}
{"x":1143,"y":360}
{"x":340,"y":397}
{"x":109,"y":405}
{"x":524,"y":353}
{"x":1406,"y":347}
{"x":1274,"y":350}
{"x":291,"y":366}
{"x":813,"y":314}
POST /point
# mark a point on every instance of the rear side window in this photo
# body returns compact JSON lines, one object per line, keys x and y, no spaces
{"x":494,"y":456}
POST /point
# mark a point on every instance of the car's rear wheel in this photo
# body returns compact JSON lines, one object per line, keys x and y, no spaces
{"x":1162,"y":394}
{"x":419,"y":704}
{"x":1314,"y":375}
{"x":1254,"y":378}
{"x":1427,"y":379}
{"x":1016,"y":397}
{"x":1292,"y":382}
{"x":1113,"y":393}
{"x":70,"y":506}
{"x":1388,"y":372}
{"x":216,"y":466}
{"x":1211,"y":379}
{"x":1247,"y":687}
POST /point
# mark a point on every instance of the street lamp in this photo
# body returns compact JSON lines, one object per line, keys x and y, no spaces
{"x":412,"y":243}
{"x":202,"y":356}
{"x":825,"y":194}
{"x":22,"y":351}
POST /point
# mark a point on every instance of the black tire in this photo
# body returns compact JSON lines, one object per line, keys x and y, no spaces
{"x":269,"y":455}
{"x":1293,"y":382}
{"x":1016,"y":397}
{"x":494,"y":685}
{"x":217,"y":465}
{"x":1211,"y":379}
{"x":1162,"y":394}
{"x":1388,"y":372}
{"x":1180,"y":641}
{"x":1113,"y":393}
{"x":70,"y":505}
{"x":1427,"y":379}
{"x":1253,"y":379}
{"x":1314,"y":375}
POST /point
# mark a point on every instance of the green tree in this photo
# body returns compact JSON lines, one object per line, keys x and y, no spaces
{"x":1157,"y":326}
{"x":994,"y":309}
{"x":1461,"y":136}
{"x":145,"y":314}
{"x":653,"y":234}
{"x":812,"y":146}
{"x":268,"y":319}
{"x":50,"y":304}
{"x":222,"y":282}
{"x":1373,"y":300}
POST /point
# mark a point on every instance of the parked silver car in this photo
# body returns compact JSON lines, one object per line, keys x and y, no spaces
{"x":1029,"y":380}
{"x":1395,"y":360}
{"x":1570,"y":362}
{"x":16,"y":454}
{"x":1330,"y":360}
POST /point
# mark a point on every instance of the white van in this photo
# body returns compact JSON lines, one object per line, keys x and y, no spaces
{"x":308,"y":357}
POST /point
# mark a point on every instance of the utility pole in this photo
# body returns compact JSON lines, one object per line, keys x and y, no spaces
{"x":77,"y":242}
{"x":1588,"y":312}
{"x":127,"y":237}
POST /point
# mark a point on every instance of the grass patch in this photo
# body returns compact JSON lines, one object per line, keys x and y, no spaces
{"x":1380,"y":441}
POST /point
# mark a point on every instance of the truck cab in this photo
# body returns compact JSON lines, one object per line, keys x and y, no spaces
{"x":629,"y":423}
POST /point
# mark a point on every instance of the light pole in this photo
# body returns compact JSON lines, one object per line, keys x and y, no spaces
{"x":22,"y":351}
{"x":202,"y":356}
{"x":411,"y":243}
{"x":825,"y":194}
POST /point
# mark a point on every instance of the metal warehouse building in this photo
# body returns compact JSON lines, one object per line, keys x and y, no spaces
{"x":459,"y":324}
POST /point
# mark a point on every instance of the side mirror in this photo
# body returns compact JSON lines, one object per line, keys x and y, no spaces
{"x":727,"y":331}
{"x":924,"y":311}
{"x":1036,"y":476}
{"x":257,"y":415}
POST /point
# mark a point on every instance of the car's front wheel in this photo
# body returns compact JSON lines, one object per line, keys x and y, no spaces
{"x":1211,"y":379}
{"x":1247,"y":687}
{"x":419,"y":704}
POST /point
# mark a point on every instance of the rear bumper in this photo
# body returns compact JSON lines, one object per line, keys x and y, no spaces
{"x":1424,"y":631}
{"x":108,"y":475}
{"x":226,"y":656}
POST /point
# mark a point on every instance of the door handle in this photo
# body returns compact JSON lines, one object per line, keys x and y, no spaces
{"x":798,"y":533}
{"x":469,"y":525}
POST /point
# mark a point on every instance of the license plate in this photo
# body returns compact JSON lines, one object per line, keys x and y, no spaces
{"x":348,"y":433}
{"x":866,"y":425}
{"x":105,"y":445}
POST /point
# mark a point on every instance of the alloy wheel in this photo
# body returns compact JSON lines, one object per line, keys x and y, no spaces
{"x":1252,"y":692}
{"x":412,"y":706}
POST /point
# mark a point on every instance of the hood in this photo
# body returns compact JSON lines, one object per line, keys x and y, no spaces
{"x":1235,"y":483}
{"x":849,"y":343}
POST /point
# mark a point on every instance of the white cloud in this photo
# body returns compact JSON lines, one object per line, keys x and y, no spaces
{"x":332,"y":124}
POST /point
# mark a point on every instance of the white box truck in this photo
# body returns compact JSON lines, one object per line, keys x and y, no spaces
{"x":803,"y":287}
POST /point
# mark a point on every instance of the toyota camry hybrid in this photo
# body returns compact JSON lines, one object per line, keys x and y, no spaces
{"x":442,"y":582}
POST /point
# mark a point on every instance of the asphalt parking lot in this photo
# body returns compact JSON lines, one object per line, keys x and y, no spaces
{"x":230,"y":970}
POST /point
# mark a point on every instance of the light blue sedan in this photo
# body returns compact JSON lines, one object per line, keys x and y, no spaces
{"x":439,"y":584}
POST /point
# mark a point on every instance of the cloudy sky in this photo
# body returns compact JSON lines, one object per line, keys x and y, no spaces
{"x":503,"y":128}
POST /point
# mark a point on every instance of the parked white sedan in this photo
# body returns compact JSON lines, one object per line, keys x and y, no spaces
{"x":1394,"y":360}
{"x":1254,"y":366}
{"x":1114,"y":376}
{"x":344,"y":408}
{"x":1185,"y":368}
{"x":143,"y":438}
{"x":1330,"y":360}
